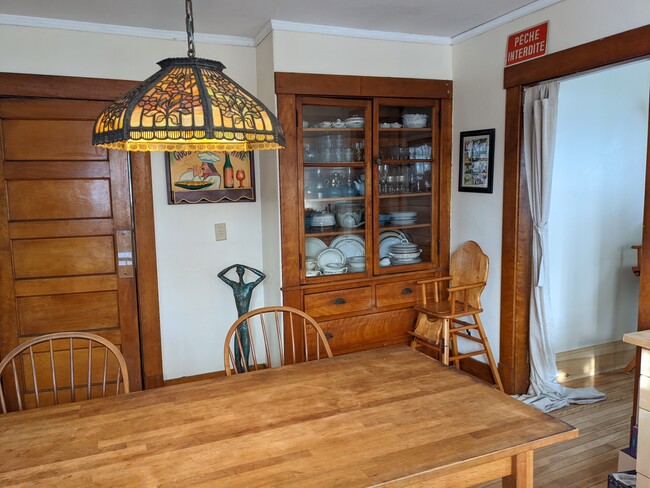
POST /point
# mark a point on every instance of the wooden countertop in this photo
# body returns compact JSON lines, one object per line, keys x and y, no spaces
{"x":389,"y":416}
{"x":640,"y":338}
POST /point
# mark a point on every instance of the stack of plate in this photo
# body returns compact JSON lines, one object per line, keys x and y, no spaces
{"x":335,"y":268}
{"x":403,"y":218}
{"x":322,"y":219}
{"x":405,"y":253}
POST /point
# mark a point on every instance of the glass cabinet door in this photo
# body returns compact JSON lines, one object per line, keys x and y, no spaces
{"x":336,"y":188}
{"x":405,"y":185}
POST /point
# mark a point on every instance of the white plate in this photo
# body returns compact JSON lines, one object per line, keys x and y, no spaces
{"x":313,"y":246}
{"x":350,"y":247}
{"x":329,"y":256}
{"x":399,"y":222}
{"x":407,"y":214}
{"x":391,"y":233}
{"x":405,"y":261}
{"x":343,"y":237}
{"x":384,"y":245}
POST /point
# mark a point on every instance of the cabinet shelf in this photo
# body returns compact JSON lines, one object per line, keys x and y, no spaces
{"x":405,"y":195}
{"x":333,"y":164}
{"x":405,"y":129}
{"x":334,"y":231}
{"x":404,"y":161}
{"x":335,"y":199}
{"x":407,"y":226}
{"x":307,"y":130}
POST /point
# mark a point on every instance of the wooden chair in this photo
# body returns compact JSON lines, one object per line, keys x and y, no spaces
{"x":57,"y":368}
{"x":261,"y":330}
{"x":439,"y":321}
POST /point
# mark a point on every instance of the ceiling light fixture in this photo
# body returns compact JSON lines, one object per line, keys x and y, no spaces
{"x":189,"y":105}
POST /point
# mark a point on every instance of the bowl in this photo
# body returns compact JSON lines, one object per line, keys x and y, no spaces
{"x":355,"y":122}
{"x":415,"y":121}
{"x":338,"y":124}
{"x":325,"y":124}
{"x":407,"y":256}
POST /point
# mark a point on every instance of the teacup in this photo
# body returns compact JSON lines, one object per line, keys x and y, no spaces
{"x":313,"y":272}
{"x":311,"y":264}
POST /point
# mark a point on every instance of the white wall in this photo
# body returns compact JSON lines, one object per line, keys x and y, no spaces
{"x":196,"y":308}
{"x":479,"y":102}
{"x":597,"y":205}
{"x":317,"y":53}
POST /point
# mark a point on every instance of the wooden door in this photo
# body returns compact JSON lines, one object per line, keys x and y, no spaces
{"x":65,"y":229}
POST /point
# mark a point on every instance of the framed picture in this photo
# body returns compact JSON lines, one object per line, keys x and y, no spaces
{"x":210,"y":177}
{"x":476,"y":161}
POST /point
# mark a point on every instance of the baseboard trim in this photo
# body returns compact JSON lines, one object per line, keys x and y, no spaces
{"x":593,"y":360}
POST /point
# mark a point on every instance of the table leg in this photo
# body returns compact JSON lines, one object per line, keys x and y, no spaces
{"x":522,"y":471}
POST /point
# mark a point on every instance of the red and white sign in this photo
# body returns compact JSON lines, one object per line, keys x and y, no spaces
{"x":527,"y":44}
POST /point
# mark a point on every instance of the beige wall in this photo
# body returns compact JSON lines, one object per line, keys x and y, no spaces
{"x":196,"y":308}
{"x":479,"y":102}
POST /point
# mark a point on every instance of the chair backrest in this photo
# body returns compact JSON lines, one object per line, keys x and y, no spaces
{"x":257,"y":336}
{"x":62,"y":367}
{"x":469,"y":264}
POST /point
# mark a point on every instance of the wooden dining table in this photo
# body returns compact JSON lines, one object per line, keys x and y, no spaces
{"x":384,"y":417}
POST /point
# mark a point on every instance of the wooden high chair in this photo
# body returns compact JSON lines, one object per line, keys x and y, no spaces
{"x":439,"y":321}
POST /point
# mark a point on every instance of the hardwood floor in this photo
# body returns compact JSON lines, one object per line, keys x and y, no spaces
{"x":586,"y":461}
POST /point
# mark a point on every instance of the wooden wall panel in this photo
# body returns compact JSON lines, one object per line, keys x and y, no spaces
{"x":57,"y":140}
{"x":61,"y":228}
{"x":73,"y":312}
{"x":63,"y":257}
{"x":60,"y":286}
{"x":40,"y":200}
{"x":29,"y":170}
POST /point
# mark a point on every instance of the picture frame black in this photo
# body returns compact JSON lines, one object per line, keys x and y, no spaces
{"x":201,"y":177}
{"x":476,"y":161}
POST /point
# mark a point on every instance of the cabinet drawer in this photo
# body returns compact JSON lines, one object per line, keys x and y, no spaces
{"x":367,"y":331}
{"x":337,"y":302}
{"x":401,"y":293}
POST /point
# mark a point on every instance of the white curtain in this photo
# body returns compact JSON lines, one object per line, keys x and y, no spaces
{"x":540,"y":120}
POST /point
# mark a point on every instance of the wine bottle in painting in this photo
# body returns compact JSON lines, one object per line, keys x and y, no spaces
{"x":228,"y":174}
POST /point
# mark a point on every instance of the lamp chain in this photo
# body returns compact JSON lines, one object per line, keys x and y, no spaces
{"x":189,"y":26}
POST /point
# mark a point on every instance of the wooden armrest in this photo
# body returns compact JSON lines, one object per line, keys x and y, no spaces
{"x":433,"y":280}
{"x":453,"y":289}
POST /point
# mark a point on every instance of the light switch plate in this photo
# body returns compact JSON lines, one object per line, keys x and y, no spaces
{"x":220,"y":232}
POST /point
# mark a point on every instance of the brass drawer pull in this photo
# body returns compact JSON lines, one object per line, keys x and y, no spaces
{"x":339,"y":301}
{"x":329,"y":335}
{"x":406,"y":291}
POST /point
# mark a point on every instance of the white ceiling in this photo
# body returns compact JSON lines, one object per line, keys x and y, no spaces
{"x":250,"y":19}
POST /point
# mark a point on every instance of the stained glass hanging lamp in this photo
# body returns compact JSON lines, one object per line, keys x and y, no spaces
{"x":189,"y":105}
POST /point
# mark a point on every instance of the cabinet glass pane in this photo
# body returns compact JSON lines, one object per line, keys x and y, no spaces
{"x":405,"y":186}
{"x":334,"y":190}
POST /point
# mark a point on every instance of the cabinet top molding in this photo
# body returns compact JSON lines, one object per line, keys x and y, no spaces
{"x":360,"y":86}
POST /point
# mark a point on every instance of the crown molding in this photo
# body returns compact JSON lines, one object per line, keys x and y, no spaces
{"x":504,"y":19}
{"x":121,"y":30}
{"x":279,"y":25}
{"x":282,"y":25}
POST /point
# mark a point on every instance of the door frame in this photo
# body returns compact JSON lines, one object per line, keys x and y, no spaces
{"x":517,"y":224}
{"x":97,"y":89}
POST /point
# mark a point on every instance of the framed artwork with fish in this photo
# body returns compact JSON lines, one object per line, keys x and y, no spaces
{"x":210,"y":177}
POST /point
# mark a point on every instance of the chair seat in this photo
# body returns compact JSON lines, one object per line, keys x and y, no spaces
{"x":442,"y":310}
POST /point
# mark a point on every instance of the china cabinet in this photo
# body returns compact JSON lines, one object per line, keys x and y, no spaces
{"x":364,"y":194}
